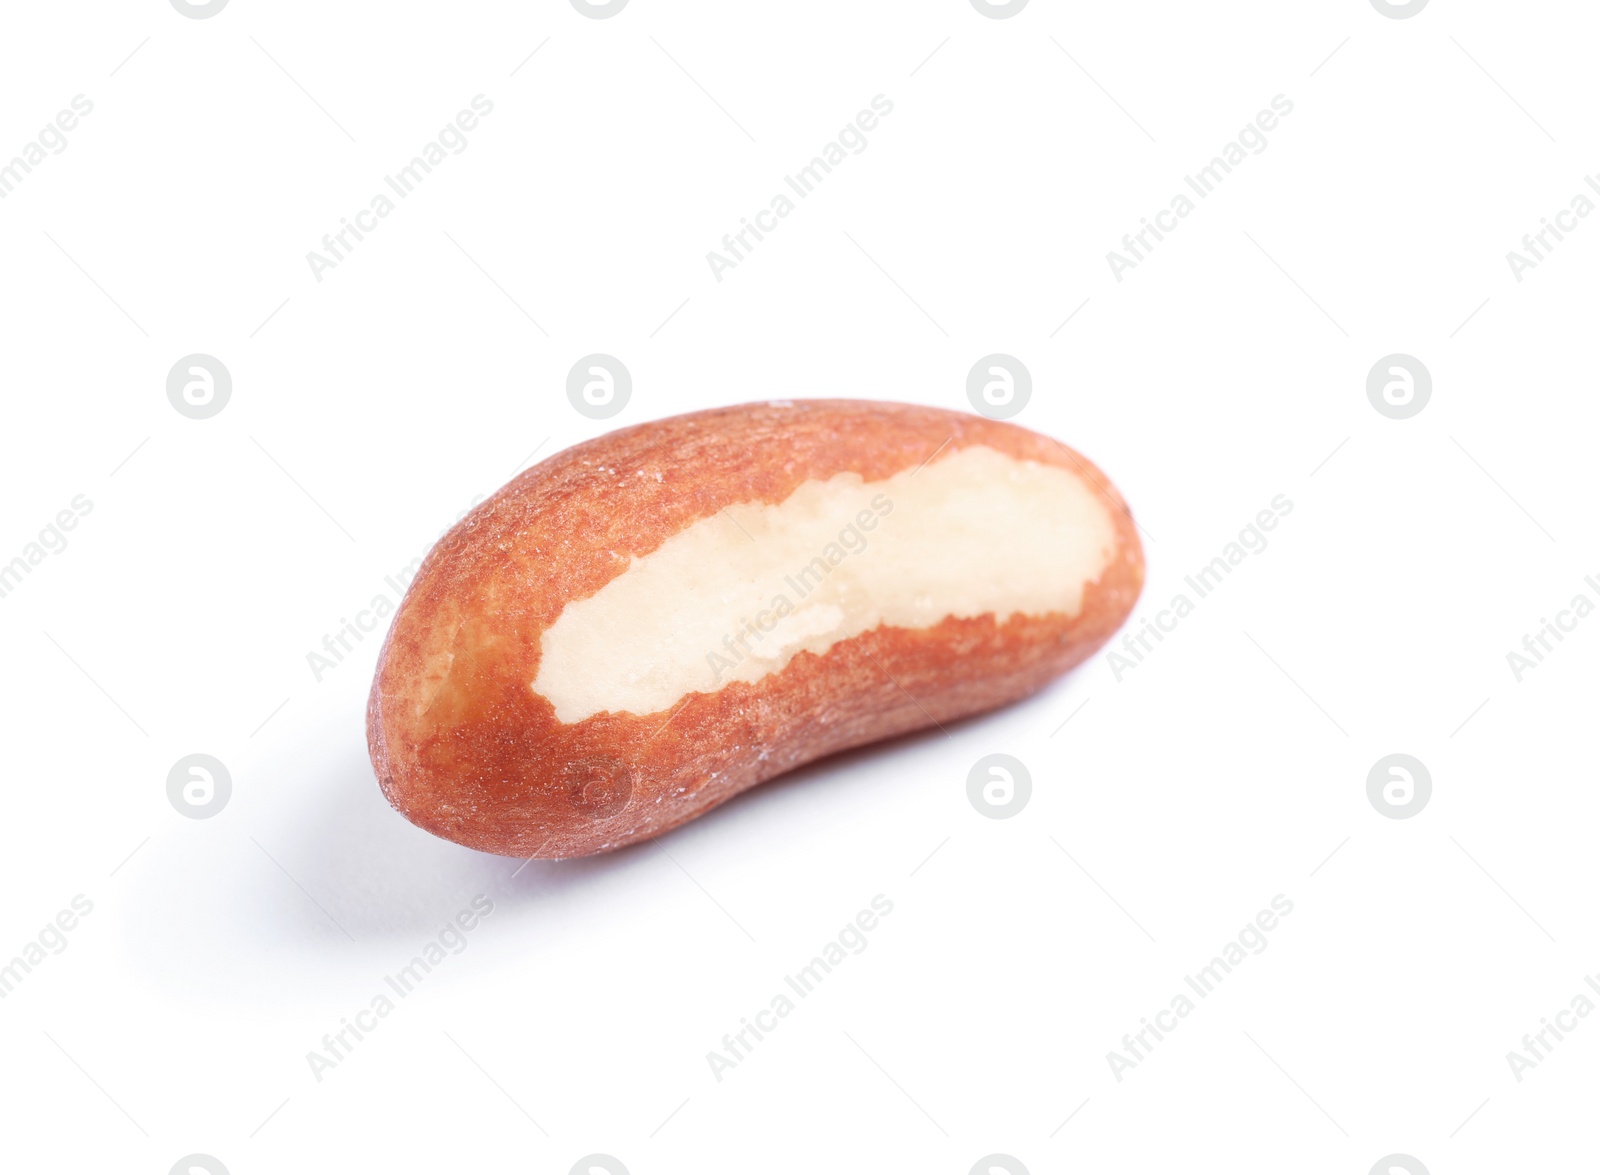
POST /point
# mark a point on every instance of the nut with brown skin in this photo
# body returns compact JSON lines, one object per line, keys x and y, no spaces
{"x":654,"y":621}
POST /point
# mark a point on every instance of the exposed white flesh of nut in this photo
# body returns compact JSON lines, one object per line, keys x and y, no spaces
{"x":737,"y":595}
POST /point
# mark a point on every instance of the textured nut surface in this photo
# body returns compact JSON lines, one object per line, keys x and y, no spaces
{"x":718,"y":572}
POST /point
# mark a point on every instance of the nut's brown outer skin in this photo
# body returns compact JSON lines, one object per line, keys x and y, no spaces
{"x":465,"y":748}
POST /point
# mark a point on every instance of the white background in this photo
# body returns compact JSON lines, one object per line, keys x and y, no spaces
{"x":369,"y":409}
